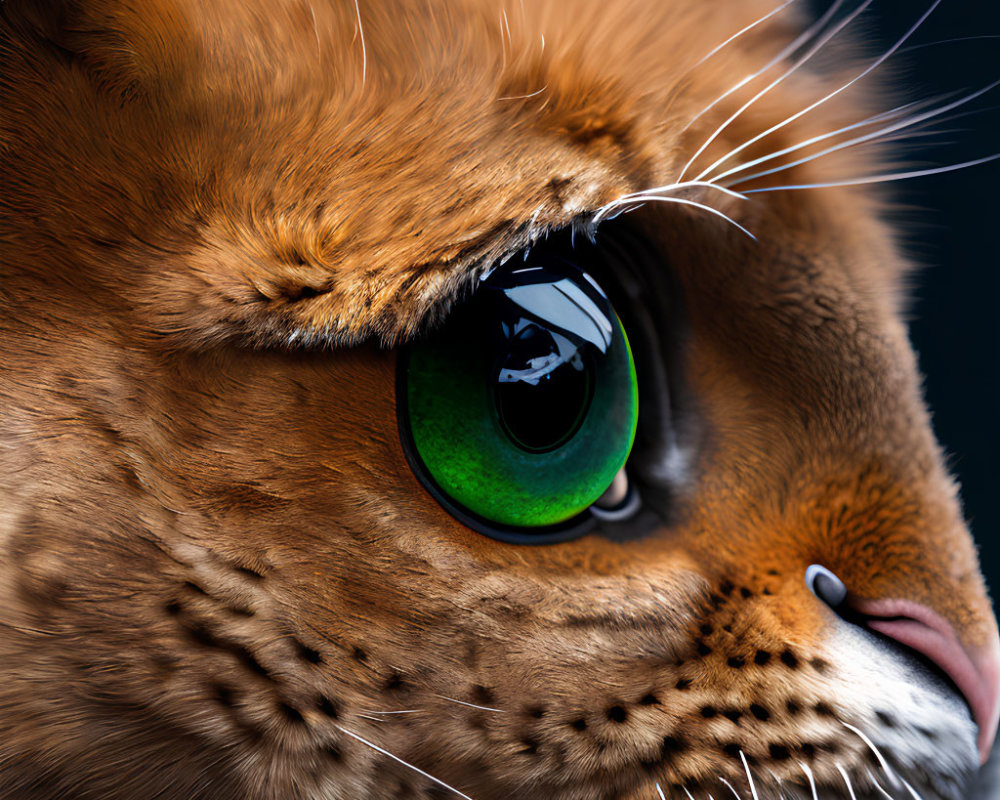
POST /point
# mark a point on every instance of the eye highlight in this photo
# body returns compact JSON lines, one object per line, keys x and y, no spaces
{"x":518,"y":413}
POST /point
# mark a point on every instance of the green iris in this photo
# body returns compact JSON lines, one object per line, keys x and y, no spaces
{"x":522,"y":408}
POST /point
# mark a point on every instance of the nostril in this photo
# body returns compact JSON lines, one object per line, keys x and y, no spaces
{"x":825,"y":585}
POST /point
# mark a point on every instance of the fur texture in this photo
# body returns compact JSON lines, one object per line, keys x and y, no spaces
{"x":219,"y":578}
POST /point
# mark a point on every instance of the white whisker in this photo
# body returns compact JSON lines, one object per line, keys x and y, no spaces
{"x":815,"y":48}
{"x":659,"y":791}
{"x":874,"y":65}
{"x":847,"y":781}
{"x":872,"y":120}
{"x":885,"y":178}
{"x":385,"y":752}
{"x":871,"y":777}
{"x":364,"y":50}
{"x":786,"y":51}
{"x":902,"y":124}
{"x":753,"y":789}
{"x":911,"y":48}
{"x":525,"y":96}
{"x":682,"y":201}
{"x":471,"y":705}
{"x":690,"y":796}
{"x":871,"y":746}
{"x":730,"y":787}
{"x":673,"y":187}
{"x":740,"y":32}
{"x":812,"y":780}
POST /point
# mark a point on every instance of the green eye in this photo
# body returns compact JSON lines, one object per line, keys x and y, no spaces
{"x":520,"y":411}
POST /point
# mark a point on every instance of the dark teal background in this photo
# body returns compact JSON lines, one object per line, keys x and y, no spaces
{"x":955,"y":234}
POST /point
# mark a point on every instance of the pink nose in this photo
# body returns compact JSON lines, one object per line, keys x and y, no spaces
{"x":974,"y":670}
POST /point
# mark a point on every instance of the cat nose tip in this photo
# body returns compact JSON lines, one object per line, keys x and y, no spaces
{"x":825,"y":585}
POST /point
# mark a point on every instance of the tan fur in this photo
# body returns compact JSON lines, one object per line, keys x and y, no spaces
{"x":216,"y":560}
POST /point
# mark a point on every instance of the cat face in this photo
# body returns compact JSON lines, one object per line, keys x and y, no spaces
{"x":224,"y":230}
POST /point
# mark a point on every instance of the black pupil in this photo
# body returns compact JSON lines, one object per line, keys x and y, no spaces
{"x":543,"y":385}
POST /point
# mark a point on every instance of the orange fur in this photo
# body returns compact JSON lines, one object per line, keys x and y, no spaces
{"x":216,"y":560}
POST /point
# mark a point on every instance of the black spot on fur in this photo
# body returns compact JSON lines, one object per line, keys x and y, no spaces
{"x":726,"y":587}
{"x":247,"y":572}
{"x":173,"y":608}
{"x":223,"y":694}
{"x":535,"y":712}
{"x":579,"y":724}
{"x":672,"y":745}
{"x":733,"y":715}
{"x":200,"y":634}
{"x":703,"y":649}
{"x":736,"y":662}
{"x":760,"y":712}
{"x":793,"y":707}
{"x":291,"y":713}
{"x":708,"y":711}
{"x":334,"y":753}
{"x":820,"y":665}
{"x":529,"y":746}
{"x":808,"y":750}
{"x":746,"y":593}
{"x":732,"y":750}
{"x":249,"y":660}
{"x":824,"y":710}
{"x":789,"y":659}
{"x":394,"y":682}
{"x":617,"y":713}
{"x":359,"y":655}
{"x":706,"y":630}
{"x":483,"y":696}
{"x":886,"y":719}
{"x":649,"y":700}
{"x":683,"y":684}
{"x":306,"y":653}
{"x":779,"y":752}
{"x":761,"y":657}
{"x":327,"y":707}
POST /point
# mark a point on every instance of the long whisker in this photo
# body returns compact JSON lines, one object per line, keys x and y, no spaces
{"x":684,"y":202}
{"x":812,"y":780}
{"x":471,"y":705}
{"x":785,"y":52}
{"x":874,"y":65}
{"x":911,"y":48}
{"x":740,"y":32}
{"x":659,"y":791}
{"x":872,"y":120}
{"x":385,"y":752}
{"x":915,"y":794}
{"x":730,"y":787}
{"x":753,"y":789}
{"x":809,"y":54}
{"x":871,"y":777}
{"x":364,"y":51}
{"x":847,"y":781}
{"x":885,"y":178}
{"x":871,"y":746}
{"x":905,"y":123}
